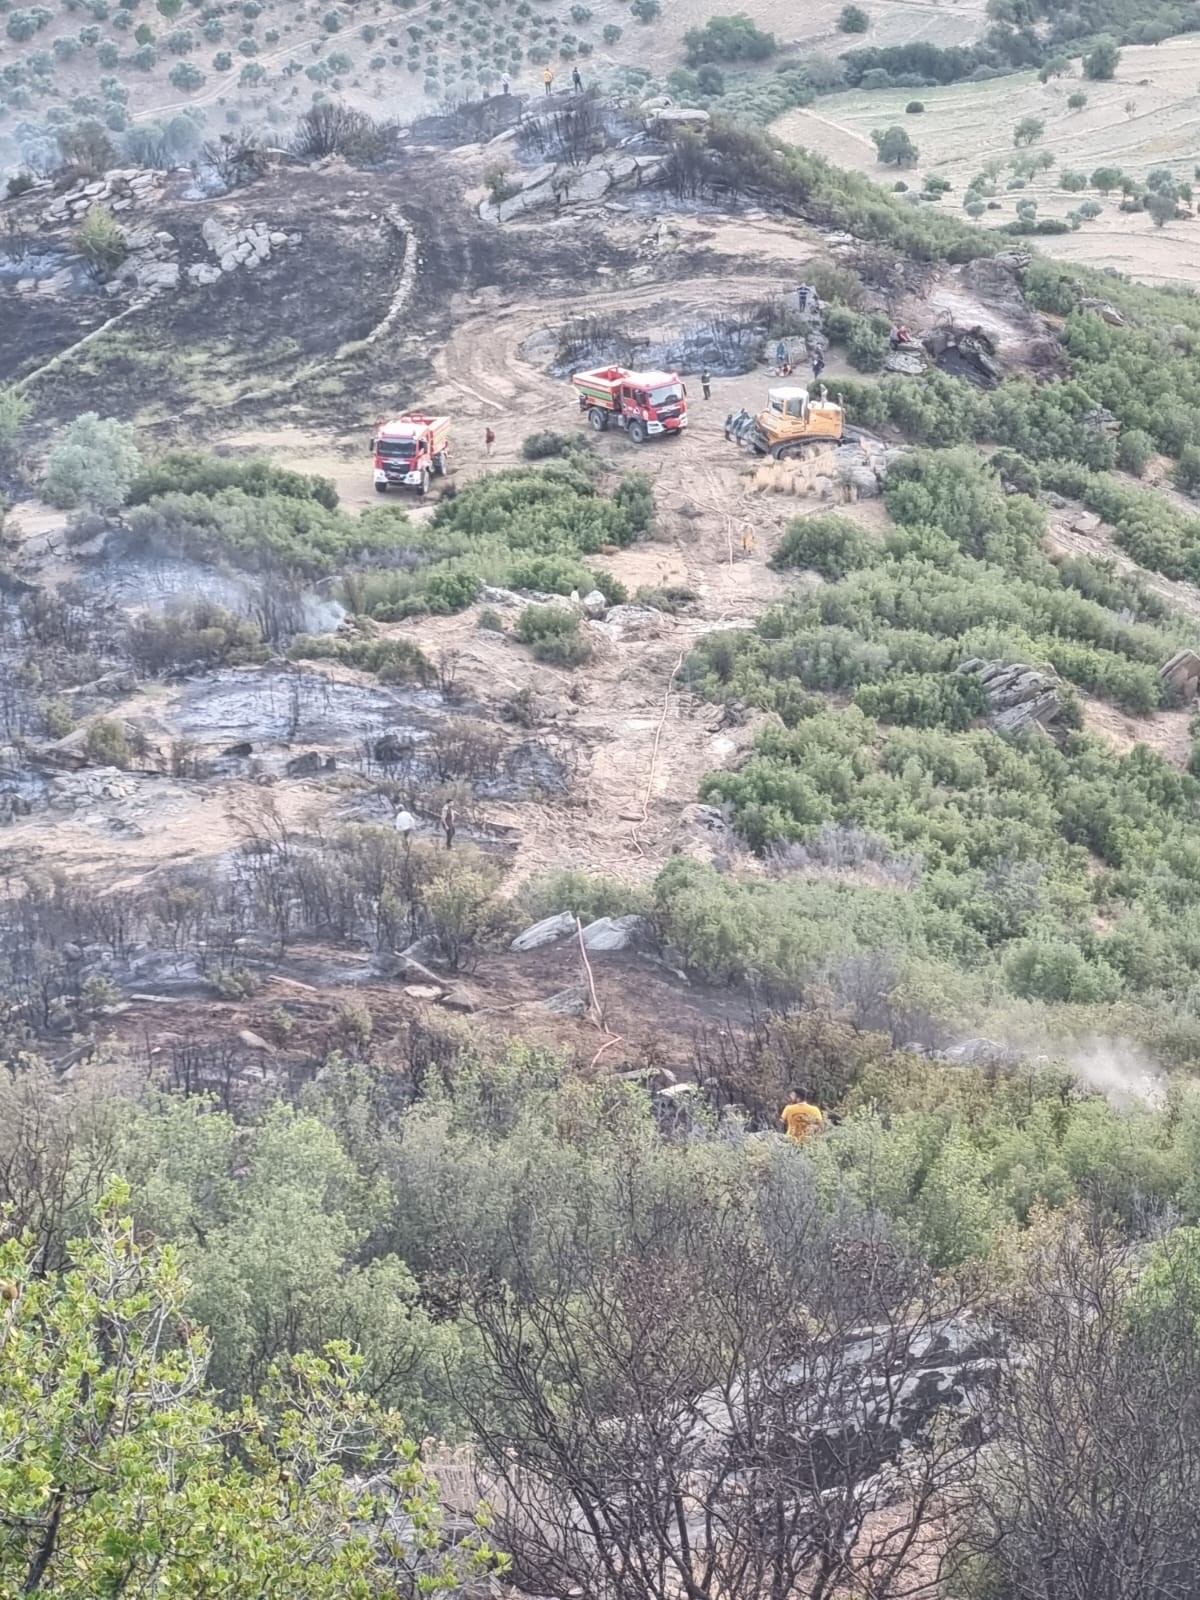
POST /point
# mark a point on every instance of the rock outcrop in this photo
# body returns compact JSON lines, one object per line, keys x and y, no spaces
{"x":1181,"y":674}
{"x":119,"y":191}
{"x":1020,"y":697}
{"x":550,"y":186}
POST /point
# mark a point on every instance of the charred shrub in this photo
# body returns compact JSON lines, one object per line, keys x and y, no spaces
{"x":203,"y":636}
{"x":329,"y":128}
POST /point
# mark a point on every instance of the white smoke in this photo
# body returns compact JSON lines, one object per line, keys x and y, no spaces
{"x":1119,"y":1070}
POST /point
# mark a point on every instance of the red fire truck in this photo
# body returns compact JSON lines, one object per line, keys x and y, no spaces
{"x":645,"y":404}
{"x":409,"y":450}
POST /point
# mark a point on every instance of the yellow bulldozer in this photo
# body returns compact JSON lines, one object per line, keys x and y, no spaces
{"x":794,"y":424}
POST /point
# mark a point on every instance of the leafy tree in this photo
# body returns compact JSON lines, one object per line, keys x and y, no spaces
{"x":122,"y":1475}
{"x":894,"y":146}
{"x":1106,"y":179}
{"x":1187,"y":472}
{"x":1135,"y":447}
{"x":728,"y":39}
{"x":646,"y":11}
{"x":1028,"y":130}
{"x":92,"y":464}
{"x":853,"y":19}
{"x":1073,"y":182}
{"x":1162,"y":204}
{"x":1077,"y":101}
{"x":1102,"y":61}
{"x":186,"y":76}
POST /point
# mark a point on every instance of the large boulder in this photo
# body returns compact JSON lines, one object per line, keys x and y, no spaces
{"x":1181,"y":673}
{"x":545,"y":932}
{"x":612,"y":933}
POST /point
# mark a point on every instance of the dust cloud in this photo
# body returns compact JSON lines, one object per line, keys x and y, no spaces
{"x":1120,"y":1071}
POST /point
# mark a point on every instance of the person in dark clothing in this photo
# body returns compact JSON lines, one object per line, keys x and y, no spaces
{"x":577,"y":81}
{"x":818,"y":363}
{"x":447,"y":821}
{"x":489,"y":439}
{"x":706,"y":383}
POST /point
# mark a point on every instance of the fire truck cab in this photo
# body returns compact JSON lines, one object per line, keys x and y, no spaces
{"x":409,"y":450}
{"x":645,"y":404}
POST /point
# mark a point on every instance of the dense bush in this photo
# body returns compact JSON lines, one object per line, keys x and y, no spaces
{"x":828,"y":544}
{"x":728,"y":39}
{"x":198,"y":472}
{"x":93,"y":464}
{"x":553,"y":634}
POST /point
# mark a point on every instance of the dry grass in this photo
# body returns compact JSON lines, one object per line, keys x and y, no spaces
{"x":965,"y":124}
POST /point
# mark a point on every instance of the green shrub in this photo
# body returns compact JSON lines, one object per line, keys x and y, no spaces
{"x":101,"y":241}
{"x":107,"y":743}
{"x":391,"y":660}
{"x":914,"y":108}
{"x":827,"y":543}
{"x":584,"y":894}
{"x":552,"y":633}
{"x":193,"y":471}
{"x":91,"y":465}
{"x":733,"y":38}
{"x":924,"y":700}
{"x":541,"y":446}
{"x":853,"y":19}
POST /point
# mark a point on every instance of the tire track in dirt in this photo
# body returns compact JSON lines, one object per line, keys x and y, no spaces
{"x":650,"y":740}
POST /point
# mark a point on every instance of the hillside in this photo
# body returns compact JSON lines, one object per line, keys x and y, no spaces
{"x":417,"y":908}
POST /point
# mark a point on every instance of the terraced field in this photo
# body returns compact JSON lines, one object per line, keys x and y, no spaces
{"x":1148,"y":116}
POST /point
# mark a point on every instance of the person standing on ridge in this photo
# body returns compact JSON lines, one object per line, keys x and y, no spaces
{"x":548,"y":80}
{"x":577,"y":81}
{"x":489,"y":439}
{"x":706,"y":383}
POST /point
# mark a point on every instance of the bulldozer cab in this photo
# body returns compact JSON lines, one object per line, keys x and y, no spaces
{"x":789,"y":402}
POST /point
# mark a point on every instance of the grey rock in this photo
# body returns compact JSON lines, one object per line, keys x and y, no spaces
{"x":253,"y":1041}
{"x":202,"y":274}
{"x":303,"y":766}
{"x":545,"y":932}
{"x":682,"y":117}
{"x":457,"y":1000}
{"x":1182,"y":672}
{"x":612,"y":933}
{"x":162,"y":275}
{"x":594,"y":605}
{"x":572,"y":1002}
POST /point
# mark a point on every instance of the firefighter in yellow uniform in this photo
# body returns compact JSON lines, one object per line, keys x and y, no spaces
{"x":801,"y":1119}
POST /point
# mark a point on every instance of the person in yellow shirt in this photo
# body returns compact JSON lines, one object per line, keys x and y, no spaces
{"x":801,"y":1119}
{"x":548,"y":80}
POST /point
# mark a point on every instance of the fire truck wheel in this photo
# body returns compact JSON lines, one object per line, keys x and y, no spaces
{"x":637,"y":431}
{"x":381,"y":488}
{"x":598,"y":419}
